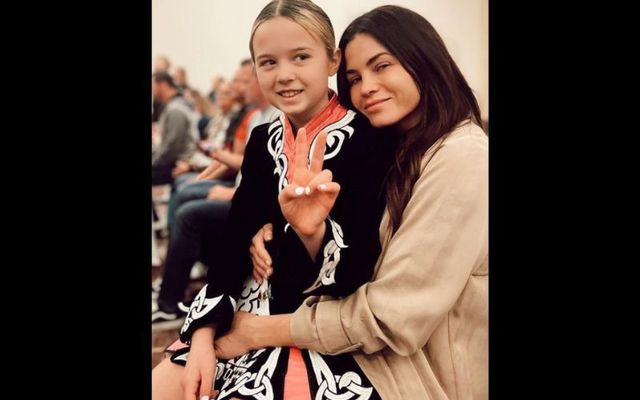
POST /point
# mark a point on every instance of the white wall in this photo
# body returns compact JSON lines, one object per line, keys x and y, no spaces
{"x":210,"y":37}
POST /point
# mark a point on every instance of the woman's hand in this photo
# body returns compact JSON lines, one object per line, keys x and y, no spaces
{"x":237,"y":341}
{"x":307,"y":200}
{"x":200,"y":369}
{"x":259,"y":255}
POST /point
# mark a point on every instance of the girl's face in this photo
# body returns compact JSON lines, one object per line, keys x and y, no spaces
{"x":380,"y":87}
{"x":292,"y":68}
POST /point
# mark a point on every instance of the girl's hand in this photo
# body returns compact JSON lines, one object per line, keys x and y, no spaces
{"x":311,"y":194}
{"x":200,"y":370}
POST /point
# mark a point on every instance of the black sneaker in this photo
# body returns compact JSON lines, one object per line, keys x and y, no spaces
{"x":162,"y":320}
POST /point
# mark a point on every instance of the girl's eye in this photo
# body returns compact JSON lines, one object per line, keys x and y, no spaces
{"x":354,"y":80}
{"x":264,"y":63}
{"x":301,"y":57}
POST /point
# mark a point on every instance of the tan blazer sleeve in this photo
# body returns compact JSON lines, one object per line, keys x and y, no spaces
{"x":425,"y":266}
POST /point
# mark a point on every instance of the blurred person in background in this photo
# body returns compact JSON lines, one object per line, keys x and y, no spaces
{"x":215,"y":86}
{"x":177,"y":126}
{"x":160,"y":64}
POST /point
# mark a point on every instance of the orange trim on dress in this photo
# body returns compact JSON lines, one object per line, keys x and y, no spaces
{"x":296,"y":380}
{"x":332,"y":112}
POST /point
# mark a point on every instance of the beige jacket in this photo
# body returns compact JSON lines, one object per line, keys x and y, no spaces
{"x":419,"y":329}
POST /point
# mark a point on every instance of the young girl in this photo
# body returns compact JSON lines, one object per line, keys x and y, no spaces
{"x":293,"y":48}
{"x":418,"y":329}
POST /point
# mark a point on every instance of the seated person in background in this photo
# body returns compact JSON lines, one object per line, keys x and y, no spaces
{"x":177,"y":125}
{"x":180,"y":78}
{"x":222,"y":164}
{"x":215,"y":87}
{"x":205,"y":109}
{"x":213,"y":137}
{"x":161,"y":63}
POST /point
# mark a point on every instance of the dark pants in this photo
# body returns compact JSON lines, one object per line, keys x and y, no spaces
{"x":161,"y":174}
{"x":183,"y":191}
{"x":196,"y":235}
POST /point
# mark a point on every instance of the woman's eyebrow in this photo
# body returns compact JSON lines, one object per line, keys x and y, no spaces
{"x":369,"y":62}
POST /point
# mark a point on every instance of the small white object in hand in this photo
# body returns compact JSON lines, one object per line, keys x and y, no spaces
{"x":299,"y":190}
{"x":307,"y":190}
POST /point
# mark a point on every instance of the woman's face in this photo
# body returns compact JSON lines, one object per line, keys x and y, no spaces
{"x":380,"y":87}
{"x":292,"y":68}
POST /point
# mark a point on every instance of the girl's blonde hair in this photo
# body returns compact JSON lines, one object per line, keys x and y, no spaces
{"x":304,"y":13}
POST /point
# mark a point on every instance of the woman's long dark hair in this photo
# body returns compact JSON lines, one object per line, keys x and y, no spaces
{"x":445,"y":97}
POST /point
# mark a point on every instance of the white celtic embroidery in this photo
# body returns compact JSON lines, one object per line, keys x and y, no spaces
{"x":254,"y":297}
{"x":335,"y":136}
{"x":219,"y":370}
{"x":331,"y":254}
{"x":200,"y":307}
{"x":182,"y":357}
{"x":275,"y":146}
{"x":257,"y":384}
{"x":336,"y":387}
{"x":335,"y":139}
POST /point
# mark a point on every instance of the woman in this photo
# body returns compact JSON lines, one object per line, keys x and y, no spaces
{"x":418,"y":329}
